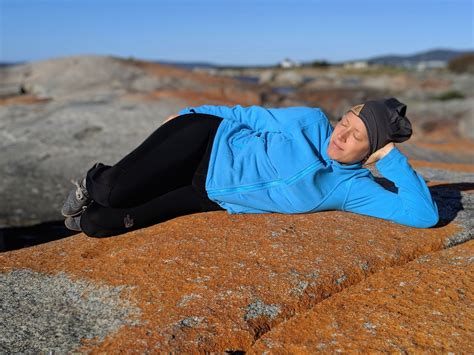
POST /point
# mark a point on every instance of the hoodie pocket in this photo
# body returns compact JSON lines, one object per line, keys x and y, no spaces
{"x":250,"y":151}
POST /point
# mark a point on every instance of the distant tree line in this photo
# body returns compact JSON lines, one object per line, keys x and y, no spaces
{"x":462,"y":64}
{"x":319,"y":64}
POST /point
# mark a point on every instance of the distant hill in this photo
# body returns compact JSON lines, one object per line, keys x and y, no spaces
{"x":8,"y":64}
{"x":442,"y":55}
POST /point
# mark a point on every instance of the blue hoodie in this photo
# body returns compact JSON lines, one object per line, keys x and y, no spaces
{"x":266,"y":160}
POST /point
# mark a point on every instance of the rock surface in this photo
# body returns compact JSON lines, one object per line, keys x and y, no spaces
{"x":208,"y":281}
{"x":427,"y":305}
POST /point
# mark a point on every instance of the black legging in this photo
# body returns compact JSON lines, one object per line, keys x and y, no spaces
{"x":164,"y":177}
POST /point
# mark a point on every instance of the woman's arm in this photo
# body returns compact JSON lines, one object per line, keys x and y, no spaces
{"x":412,"y":205}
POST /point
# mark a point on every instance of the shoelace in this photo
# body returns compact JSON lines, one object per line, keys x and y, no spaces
{"x":81,"y":192}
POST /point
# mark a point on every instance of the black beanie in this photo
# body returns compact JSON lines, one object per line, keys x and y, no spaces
{"x":385,"y":121}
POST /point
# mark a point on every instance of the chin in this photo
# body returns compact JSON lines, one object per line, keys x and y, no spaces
{"x":340,"y":159}
{"x":333,"y":155}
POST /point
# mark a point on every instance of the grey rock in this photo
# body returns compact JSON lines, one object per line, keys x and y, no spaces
{"x":81,"y":77}
{"x":259,"y":308}
{"x":266,"y":76}
{"x":421,"y":111}
{"x":416,"y":152}
{"x":191,"y":321}
{"x":288,"y":77}
{"x":51,"y":143}
{"x":446,"y":175}
{"x":458,"y":206}
{"x":87,"y":120}
{"x":41,"y":312}
{"x":466,"y":124}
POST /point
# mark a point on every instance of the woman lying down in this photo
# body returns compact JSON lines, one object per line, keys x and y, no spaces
{"x":256,"y":160}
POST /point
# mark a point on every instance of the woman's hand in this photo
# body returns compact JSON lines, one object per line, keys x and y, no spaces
{"x":379,"y":154}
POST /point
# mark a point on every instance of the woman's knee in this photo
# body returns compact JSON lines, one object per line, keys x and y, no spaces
{"x":101,"y":180}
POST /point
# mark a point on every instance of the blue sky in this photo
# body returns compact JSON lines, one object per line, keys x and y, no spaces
{"x":240,"y":32}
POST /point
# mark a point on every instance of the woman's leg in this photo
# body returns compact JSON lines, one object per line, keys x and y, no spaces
{"x":100,"y":221}
{"x":165,"y":161}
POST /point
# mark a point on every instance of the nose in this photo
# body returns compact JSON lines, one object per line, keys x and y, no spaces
{"x":342,"y":135}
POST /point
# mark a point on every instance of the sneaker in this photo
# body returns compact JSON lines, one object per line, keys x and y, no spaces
{"x":73,"y":223}
{"x":77,"y":200}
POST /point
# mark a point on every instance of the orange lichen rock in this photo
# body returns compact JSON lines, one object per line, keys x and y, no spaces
{"x":215,"y":282}
{"x":424,"y":306}
{"x":197,"y":88}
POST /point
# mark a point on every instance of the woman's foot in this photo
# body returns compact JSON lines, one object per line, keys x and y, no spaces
{"x":77,"y":200}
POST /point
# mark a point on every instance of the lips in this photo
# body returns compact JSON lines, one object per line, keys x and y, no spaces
{"x":337,"y":146}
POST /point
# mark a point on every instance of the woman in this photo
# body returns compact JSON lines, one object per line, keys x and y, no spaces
{"x":257,"y":160}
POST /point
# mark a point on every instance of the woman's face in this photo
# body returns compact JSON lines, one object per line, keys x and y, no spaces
{"x":349,"y":141}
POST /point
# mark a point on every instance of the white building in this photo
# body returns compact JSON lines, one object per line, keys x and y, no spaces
{"x":288,"y":63}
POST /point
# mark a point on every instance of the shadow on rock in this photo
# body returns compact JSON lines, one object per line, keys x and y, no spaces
{"x":21,"y":237}
{"x":451,"y":200}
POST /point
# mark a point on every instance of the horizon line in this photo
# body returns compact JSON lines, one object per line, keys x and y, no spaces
{"x":239,"y":65}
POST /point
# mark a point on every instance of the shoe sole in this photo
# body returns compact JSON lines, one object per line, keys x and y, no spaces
{"x":70,"y":228}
